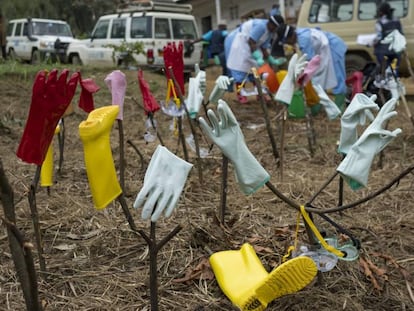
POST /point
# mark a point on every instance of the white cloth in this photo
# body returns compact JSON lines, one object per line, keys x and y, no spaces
{"x":240,"y":56}
{"x":325,"y":75}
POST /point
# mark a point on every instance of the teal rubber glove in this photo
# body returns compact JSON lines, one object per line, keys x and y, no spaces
{"x":286,"y":89}
{"x":258,"y":57}
{"x":227,"y":135}
{"x":163,"y":183}
{"x":355,"y":114}
{"x":195,"y":97}
{"x":276,"y":61}
{"x":221,"y":86}
{"x":356,"y":165}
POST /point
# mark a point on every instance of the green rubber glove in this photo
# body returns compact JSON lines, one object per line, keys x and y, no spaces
{"x":258,"y":57}
{"x":356,"y":165}
{"x":227,"y":135}
{"x":276,"y":61}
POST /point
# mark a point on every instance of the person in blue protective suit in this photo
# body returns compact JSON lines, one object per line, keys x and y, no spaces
{"x":331,"y":74}
{"x":215,"y":38}
{"x":384,"y":25}
{"x":247,"y":46}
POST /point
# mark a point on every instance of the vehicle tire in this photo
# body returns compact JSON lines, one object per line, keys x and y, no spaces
{"x":354,"y":62}
{"x":75,"y":60}
{"x":12,"y":55}
{"x":35,"y":60}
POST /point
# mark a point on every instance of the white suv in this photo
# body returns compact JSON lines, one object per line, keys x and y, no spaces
{"x":153,"y":23}
{"x":35,"y":39}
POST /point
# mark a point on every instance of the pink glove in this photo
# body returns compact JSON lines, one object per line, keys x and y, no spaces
{"x":309,"y":71}
{"x":150,"y":103}
{"x":116,"y":83}
{"x":89,"y":87}
{"x":355,"y":80}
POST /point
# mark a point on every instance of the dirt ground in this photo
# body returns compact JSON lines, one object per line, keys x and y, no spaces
{"x":94,"y":261}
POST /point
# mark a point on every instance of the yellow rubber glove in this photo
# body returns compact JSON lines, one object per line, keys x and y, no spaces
{"x":100,"y":168}
{"x":243,"y":279}
{"x":46,"y":172}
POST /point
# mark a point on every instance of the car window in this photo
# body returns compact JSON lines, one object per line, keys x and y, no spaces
{"x":325,"y":11}
{"x":25,"y":31}
{"x":51,"y":29}
{"x":101,"y":29}
{"x":162,"y":28}
{"x":10,"y":29}
{"x":368,"y":9}
{"x":18,"y":31}
{"x":141,"y":27}
{"x":183,"y":29}
{"x":118,"y":28}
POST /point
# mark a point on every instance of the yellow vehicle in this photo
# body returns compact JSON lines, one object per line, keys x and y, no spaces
{"x":352,"y":18}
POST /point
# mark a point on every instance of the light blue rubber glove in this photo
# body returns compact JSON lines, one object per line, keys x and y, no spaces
{"x":331,"y":109}
{"x":221,"y":86}
{"x":258,"y":57}
{"x":355,"y":114}
{"x":356,"y":165}
{"x":163,"y":183}
{"x":195,"y":97}
{"x":276,"y":61}
{"x":227,"y":135}
{"x":296,"y":67}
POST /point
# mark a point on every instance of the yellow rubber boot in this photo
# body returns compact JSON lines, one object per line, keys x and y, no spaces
{"x":100,"y":168}
{"x":46,"y":172}
{"x":243,"y":279}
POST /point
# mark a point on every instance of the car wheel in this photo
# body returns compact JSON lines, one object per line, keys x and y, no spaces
{"x":35,"y":60}
{"x":76,"y":60}
{"x":12,"y":55}
{"x":354,"y":62}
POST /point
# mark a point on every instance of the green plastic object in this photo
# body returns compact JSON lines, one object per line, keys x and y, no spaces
{"x":296,"y":108}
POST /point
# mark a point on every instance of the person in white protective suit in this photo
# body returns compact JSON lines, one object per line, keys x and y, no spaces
{"x":247,"y":46}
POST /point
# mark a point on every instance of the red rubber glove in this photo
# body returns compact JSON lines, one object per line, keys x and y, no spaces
{"x":355,"y":80}
{"x":173,"y":57}
{"x":89,"y":87}
{"x":50,"y":98}
{"x":150,"y":103}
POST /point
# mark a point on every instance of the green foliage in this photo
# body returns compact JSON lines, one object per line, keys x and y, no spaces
{"x":125,"y":51}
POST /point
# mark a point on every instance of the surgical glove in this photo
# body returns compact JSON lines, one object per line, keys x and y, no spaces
{"x":221,"y":86}
{"x":331,"y":109}
{"x":309,"y":70}
{"x":276,"y":61}
{"x":163,"y":183}
{"x":356,"y":113}
{"x":116,"y":83}
{"x":296,"y":66}
{"x":227,"y":135}
{"x":356,"y":165}
{"x":258,"y":57}
{"x":195,"y":97}
{"x":201,"y":76}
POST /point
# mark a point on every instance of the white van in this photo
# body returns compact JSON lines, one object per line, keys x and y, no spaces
{"x":35,"y":39}
{"x":153,"y":23}
{"x":351,"y":18}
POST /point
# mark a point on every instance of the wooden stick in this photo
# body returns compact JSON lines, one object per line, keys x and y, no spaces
{"x":35,"y":218}
{"x":121,"y":155}
{"x":223,"y":197}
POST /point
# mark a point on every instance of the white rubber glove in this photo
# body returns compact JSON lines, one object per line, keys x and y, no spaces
{"x":396,"y":40}
{"x":195,"y":98}
{"x":356,"y":165}
{"x":356,"y":113}
{"x":222,"y":85}
{"x":331,"y":109}
{"x":296,"y":67}
{"x":201,"y":77}
{"x":227,"y":135}
{"x":163,"y":183}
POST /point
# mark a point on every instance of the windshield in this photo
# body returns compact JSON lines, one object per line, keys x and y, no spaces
{"x":51,"y":29}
